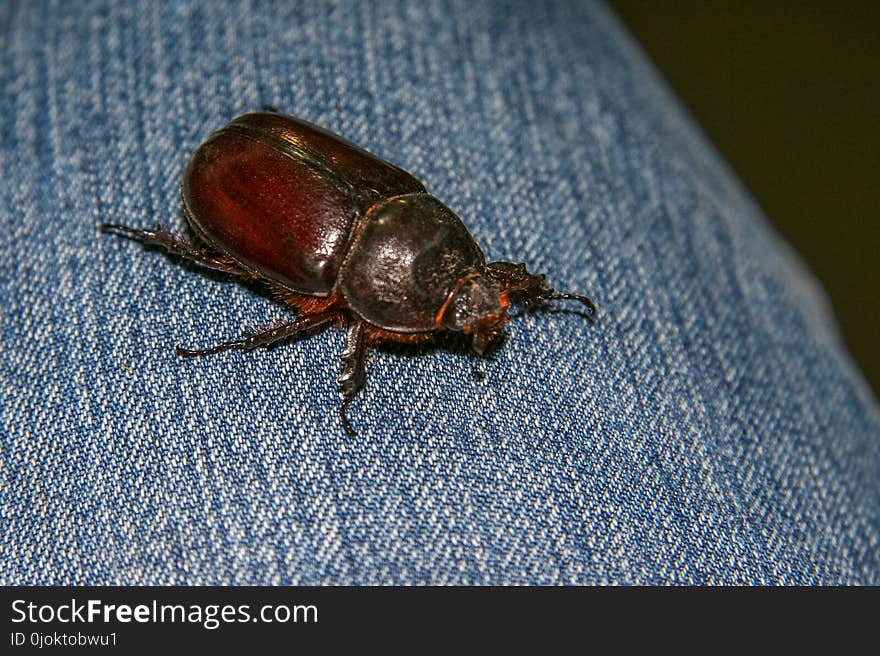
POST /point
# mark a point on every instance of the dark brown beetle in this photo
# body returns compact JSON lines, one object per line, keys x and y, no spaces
{"x":341,"y":236}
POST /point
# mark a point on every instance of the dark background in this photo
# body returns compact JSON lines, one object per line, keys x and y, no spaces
{"x":789,"y":92}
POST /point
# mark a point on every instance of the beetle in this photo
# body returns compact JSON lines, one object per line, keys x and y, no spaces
{"x":343,"y":238}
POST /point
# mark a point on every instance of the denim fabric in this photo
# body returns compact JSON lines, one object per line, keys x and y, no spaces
{"x":708,"y":428}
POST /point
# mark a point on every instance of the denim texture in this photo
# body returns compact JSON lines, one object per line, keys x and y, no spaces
{"x":708,"y":428}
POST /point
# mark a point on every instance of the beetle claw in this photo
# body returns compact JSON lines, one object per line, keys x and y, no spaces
{"x":185,"y":352}
{"x":349,"y":430}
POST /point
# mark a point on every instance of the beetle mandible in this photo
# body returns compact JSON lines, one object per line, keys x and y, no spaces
{"x":342,"y":237}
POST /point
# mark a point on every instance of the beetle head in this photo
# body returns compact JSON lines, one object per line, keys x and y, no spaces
{"x":478,"y":307}
{"x":530,"y":290}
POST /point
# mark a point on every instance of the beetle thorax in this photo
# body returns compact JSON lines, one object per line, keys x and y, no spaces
{"x":409,"y":253}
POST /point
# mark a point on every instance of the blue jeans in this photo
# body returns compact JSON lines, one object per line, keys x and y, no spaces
{"x":708,"y":428}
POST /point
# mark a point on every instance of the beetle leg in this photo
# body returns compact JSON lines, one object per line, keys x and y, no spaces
{"x":264,"y":338}
{"x":175,"y":245}
{"x":351,"y":380}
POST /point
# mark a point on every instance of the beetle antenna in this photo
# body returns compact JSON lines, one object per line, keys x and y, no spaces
{"x":575,"y":297}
